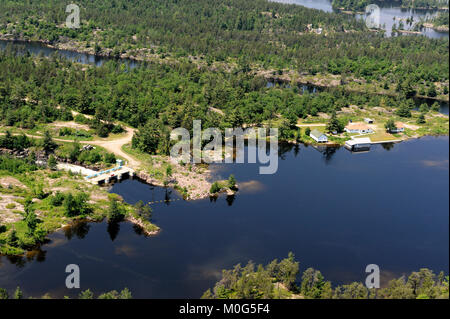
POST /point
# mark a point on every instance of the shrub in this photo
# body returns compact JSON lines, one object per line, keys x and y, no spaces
{"x":57,"y":199}
{"x":116,"y":211}
{"x":215,"y":188}
{"x":109,"y":158}
{"x":76,"y":205}
{"x":231,"y":182}
{"x":11,"y":206}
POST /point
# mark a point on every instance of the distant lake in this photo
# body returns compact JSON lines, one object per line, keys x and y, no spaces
{"x":337,"y":211}
{"x":389,"y":11}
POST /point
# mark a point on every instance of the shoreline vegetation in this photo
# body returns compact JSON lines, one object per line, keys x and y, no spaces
{"x":36,"y":201}
{"x":85,"y":294}
{"x":281,"y":280}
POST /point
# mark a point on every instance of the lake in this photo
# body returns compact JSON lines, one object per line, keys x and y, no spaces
{"x":390,"y":13}
{"x":337,"y":211}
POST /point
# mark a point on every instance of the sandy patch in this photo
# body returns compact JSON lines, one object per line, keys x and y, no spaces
{"x":7,"y":215}
{"x":71,"y":124}
{"x":411,"y":126}
{"x":8,"y":180}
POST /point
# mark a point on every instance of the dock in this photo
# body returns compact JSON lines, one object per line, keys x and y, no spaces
{"x":104,"y":177}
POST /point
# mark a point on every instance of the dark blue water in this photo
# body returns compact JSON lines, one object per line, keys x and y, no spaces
{"x":337,"y":211}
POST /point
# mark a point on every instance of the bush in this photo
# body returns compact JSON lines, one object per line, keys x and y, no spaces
{"x":215,"y":188}
{"x":117,"y":129}
{"x":90,"y":157}
{"x":231,"y":182}
{"x":116,"y":211}
{"x":57,"y":199}
{"x":76,"y":205}
{"x":109,"y":158}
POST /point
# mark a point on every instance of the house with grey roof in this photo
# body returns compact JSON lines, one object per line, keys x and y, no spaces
{"x":318,"y":136}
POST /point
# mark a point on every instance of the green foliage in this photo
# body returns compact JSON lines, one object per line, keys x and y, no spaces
{"x":390,"y":125}
{"x":435,"y":107}
{"x":47,"y":143}
{"x":169,"y":171}
{"x":57,"y":199}
{"x":403,"y":111}
{"x":142,"y":210}
{"x":152,"y":138}
{"x":421,"y":119}
{"x":231,"y":182}
{"x":116,"y":211}
{"x":215,"y":188}
{"x":67,"y":131}
{"x":334,"y":125}
{"x":15,"y":165}
{"x":124,"y":294}
{"x":313,"y":285}
{"x":18,"y":294}
{"x":76,"y":205}
{"x":12,"y":142}
{"x":86,"y":294}
{"x":52,"y":162}
{"x":3,"y":294}
{"x":264,"y":282}
{"x":109,"y":158}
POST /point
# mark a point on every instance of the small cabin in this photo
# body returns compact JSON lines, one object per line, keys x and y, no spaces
{"x":318,"y":136}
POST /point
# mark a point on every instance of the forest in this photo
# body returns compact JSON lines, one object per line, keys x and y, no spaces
{"x":250,"y":33}
{"x":280,"y":279}
{"x":158,"y":98}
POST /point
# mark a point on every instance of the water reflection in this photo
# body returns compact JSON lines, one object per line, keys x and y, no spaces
{"x":387,"y":146}
{"x":37,"y":255}
{"x":79,"y":229}
{"x":230,"y":199}
{"x":113,"y":230}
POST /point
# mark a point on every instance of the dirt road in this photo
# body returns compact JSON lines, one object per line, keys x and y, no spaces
{"x":111,"y":145}
{"x":115,"y":146}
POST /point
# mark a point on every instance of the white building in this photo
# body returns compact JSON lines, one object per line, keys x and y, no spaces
{"x":359,"y":128}
{"x":318,"y":136}
{"x":358,"y":144}
{"x":399,"y":128}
